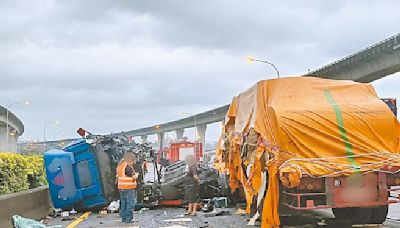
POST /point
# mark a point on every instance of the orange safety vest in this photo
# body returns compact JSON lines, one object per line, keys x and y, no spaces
{"x":124,"y":182}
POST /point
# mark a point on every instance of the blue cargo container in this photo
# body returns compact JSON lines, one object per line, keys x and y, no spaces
{"x":73,"y":177}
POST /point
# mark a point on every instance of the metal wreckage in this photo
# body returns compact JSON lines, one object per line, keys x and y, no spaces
{"x":87,"y":168}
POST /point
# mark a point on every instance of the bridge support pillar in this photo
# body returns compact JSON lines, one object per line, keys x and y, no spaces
{"x":201,"y":134}
{"x":179,"y":133}
{"x":143,"y":138}
{"x":3,"y":139}
{"x":12,"y":140}
{"x":160,"y":138}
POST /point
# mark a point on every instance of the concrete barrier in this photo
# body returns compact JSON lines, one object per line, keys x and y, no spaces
{"x":33,"y":203}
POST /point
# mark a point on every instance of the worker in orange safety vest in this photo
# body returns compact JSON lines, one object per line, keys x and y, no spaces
{"x":126,"y":181}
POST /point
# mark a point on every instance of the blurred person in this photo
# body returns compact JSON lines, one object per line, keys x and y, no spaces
{"x":191,"y":184}
{"x":139,"y":168}
{"x":127,"y":184}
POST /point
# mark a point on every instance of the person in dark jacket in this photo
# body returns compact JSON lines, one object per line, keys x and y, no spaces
{"x":191,"y":184}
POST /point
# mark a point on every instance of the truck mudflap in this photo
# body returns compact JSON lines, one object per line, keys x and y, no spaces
{"x":358,"y":190}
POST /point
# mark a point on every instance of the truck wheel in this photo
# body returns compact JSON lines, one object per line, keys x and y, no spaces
{"x":379,"y":214}
{"x":356,"y":215}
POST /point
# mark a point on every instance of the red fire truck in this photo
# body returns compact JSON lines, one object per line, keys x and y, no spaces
{"x":177,"y":151}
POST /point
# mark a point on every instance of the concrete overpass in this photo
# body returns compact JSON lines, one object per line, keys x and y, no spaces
{"x":16,"y":128}
{"x":199,"y":121}
{"x":369,"y":64}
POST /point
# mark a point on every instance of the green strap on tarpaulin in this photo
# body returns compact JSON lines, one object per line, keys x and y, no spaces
{"x":342,"y":130}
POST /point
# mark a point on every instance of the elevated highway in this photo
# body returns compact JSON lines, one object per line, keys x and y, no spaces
{"x":15,"y":129}
{"x":369,"y":64}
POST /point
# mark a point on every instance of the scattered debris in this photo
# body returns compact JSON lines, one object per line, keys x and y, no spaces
{"x":113,"y":206}
{"x":68,"y":218}
{"x":103,"y":212}
{"x":321,"y":223}
{"x":142,"y":209}
{"x":56,"y":212}
{"x":45,"y":220}
{"x":253,"y":219}
{"x":207,"y":206}
{"x":367,"y":225}
{"x":240,"y":211}
{"x":178,"y":220}
{"x":220,"y":202}
{"x":220,"y":213}
{"x":65,"y":214}
{"x":73,"y":211}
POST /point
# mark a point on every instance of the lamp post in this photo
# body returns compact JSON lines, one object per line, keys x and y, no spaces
{"x":250,"y":60}
{"x":195,"y":123}
{"x":8,"y":110}
{"x":44,"y":133}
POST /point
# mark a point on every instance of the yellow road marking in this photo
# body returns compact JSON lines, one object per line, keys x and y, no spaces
{"x":79,"y":220}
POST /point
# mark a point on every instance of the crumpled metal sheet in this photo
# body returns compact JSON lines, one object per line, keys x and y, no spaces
{"x":172,"y":181}
{"x":116,"y":146}
{"x":109,"y":150}
{"x":171,"y":184}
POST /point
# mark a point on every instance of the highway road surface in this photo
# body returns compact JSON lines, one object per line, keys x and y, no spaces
{"x":160,"y":216}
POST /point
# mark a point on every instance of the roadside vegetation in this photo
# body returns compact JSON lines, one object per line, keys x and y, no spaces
{"x":20,"y":172}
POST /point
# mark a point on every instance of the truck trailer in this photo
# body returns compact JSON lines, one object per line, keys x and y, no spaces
{"x":304,"y":143}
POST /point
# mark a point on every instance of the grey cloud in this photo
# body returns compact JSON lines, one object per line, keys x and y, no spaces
{"x":119,"y":65}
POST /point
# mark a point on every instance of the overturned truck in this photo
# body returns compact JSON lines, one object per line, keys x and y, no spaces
{"x":308,"y":143}
{"x":82,"y":175}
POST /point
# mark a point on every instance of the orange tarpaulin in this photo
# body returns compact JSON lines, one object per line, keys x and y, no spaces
{"x":312,"y":126}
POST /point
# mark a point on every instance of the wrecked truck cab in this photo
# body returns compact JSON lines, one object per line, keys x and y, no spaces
{"x":87,"y":169}
{"x":73,"y":177}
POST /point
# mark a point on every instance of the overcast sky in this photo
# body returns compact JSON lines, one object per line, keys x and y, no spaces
{"x":111,"y":66}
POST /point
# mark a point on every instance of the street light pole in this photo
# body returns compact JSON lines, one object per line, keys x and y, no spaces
{"x":44,"y":133}
{"x":195,"y":124}
{"x":251,"y":60}
{"x":54,"y":137}
{"x":7,"y":114}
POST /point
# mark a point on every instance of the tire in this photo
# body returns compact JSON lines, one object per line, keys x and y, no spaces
{"x":379,"y":214}
{"x":355,"y":215}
